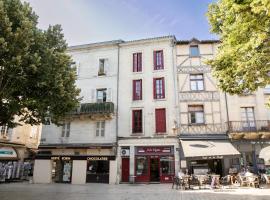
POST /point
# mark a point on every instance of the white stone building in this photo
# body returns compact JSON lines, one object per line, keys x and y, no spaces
{"x":83,"y":149}
{"x":148,"y":144}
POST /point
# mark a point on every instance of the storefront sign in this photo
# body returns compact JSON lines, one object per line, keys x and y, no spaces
{"x":154,"y":150}
{"x":212,"y":157}
{"x":55,"y":158}
{"x":65,"y":158}
{"x":7,"y":152}
{"x":97,"y":158}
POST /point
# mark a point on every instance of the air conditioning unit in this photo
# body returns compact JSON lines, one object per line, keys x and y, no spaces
{"x":124,"y":152}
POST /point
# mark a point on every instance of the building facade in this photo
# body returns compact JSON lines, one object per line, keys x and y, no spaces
{"x":17,"y":149}
{"x":147,"y":140}
{"x":83,"y":148}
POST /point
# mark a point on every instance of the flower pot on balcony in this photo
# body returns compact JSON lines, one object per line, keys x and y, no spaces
{"x":236,"y":136}
{"x":252,"y":136}
{"x":265,"y":135}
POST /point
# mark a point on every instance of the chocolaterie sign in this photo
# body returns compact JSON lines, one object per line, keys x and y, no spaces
{"x":154,"y":150}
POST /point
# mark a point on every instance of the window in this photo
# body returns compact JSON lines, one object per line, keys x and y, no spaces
{"x":3,"y":130}
{"x":33,"y":132}
{"x":196,"y":114}
{"x":66,"y":129}
{"x":159,"y":89}
{"x":137,"y":121}
{"x":101,"y":70}
{"x":167,"y":165}
{"x":247,"y":117}
{"x":137,"y":89}
{"x":196,"y":82}
{"x":194,"y":51}
{"x":160,"y":120}
{"x":100,"y":130}
{"x":101,"y":95}
{"x":141,"y":165}
{"x":158,"y":60}
{"x":137,"y":62}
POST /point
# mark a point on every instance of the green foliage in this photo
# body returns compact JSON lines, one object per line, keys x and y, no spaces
{"x":242,"y":63}
{"x":36,"y":77}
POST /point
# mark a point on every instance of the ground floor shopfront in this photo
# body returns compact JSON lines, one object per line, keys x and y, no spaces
{"x":202,"y":157}
{"x":85,"y":167}
{"x":250,"y":155}
{"x":148,"y":160}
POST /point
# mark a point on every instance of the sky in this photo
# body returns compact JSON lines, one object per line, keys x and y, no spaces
{"x":88,"y":21}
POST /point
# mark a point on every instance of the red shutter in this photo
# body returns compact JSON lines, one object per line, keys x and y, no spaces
{"x":139,"y":62}
{"x":163,"y":87}
{"x":134,"y":90}
{"x":154,"y":88}
{"x":140,"y":90}
{"x":162,"y":64}
{"x":134,"y":62}
{"x":155,"y":60}
{"x":133,"y":121}
{"x":160,"y":120}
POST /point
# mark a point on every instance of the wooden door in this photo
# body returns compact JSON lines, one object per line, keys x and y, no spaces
{"x":125,"y":169}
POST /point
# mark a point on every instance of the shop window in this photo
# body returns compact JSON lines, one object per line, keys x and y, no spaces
{"x":141,"y":165}
{"x":167,"y":165}
{"x":61,"y":171}
{"x":159,"y":88}
{"x":100,"y":129}
{"x":66,"y":129}
{"x":137,"y":62}
{"x":137,"y":121}
{"x":196,"y":114}
{"x":158,"y":60}
{"x":97,"y":171}
{"x":196,"y":82}
{"x":194,"y":51}
{"x":137,"y":89}
{"x":101,"y":95}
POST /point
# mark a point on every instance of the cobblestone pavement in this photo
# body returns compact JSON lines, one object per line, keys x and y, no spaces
{"x":25,"y":191}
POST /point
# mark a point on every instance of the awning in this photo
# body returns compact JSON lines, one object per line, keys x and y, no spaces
{"x":265,"y":154}
{"x":211,"y":149}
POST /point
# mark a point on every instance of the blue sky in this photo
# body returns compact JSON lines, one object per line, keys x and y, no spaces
{"x":87,"y":21}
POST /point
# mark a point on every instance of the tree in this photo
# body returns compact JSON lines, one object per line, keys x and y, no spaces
{"x":242,"y":63}
{"x":36,"y":77}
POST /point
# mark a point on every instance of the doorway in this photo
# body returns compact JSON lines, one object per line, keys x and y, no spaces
{"x":154,"y":170}
{"x":125,"y":169}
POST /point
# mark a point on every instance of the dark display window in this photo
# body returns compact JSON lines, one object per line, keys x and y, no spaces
{"x":167,"y":165}
{"x":97,"y":171}
{"x":61,"y":171}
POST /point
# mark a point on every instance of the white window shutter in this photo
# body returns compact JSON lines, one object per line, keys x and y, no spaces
{"x":93,"y":96}
{"x":106,"y":66}
{"x":109,"y":95}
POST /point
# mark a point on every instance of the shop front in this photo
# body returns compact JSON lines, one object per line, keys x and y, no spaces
{"x":207,"y":157}
{"x":154,"y":164}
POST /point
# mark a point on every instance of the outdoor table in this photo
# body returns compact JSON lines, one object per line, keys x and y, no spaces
{"x":202,"y":179}
{"x":215,"y":180}
{"x":186,"y":181}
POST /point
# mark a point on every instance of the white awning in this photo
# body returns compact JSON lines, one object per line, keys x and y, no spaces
{"x":265,"y":154}
{"x":213,"y":149}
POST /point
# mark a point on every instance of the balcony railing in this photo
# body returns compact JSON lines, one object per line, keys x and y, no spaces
{"x":203,"y":129}
{"x":249,"y":126}
{"x":92,"y":109}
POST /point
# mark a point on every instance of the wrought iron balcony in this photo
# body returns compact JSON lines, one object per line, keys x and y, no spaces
{"x":252,"y":130}
{"x":249,"y":126}
{"x":104,"y":109}
{"x":203,"y":129}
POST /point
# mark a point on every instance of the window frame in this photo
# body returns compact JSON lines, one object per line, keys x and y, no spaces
{"x":196,"y":80}
{"x":136,"y":97}
{"x":190,"y":51}
{"x":104,"y":90}
{"x":194,"y":112}
{"x":101,"y":67}
{"x":137,"y":129}
{"x":162,"y":90}
{"x":66,"y":130}
{"x":137,"y":62}
{"x":100,"y":128}
{"x":155,"y":55}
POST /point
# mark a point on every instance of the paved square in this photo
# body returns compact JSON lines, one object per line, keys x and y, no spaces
{"x":25,"y":191}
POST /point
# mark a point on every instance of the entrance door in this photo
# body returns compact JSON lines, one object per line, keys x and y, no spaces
{"x":154,"y":170}
{"x":125,"y":169}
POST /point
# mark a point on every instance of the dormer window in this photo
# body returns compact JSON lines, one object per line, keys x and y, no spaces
{"x":194,"y":51}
